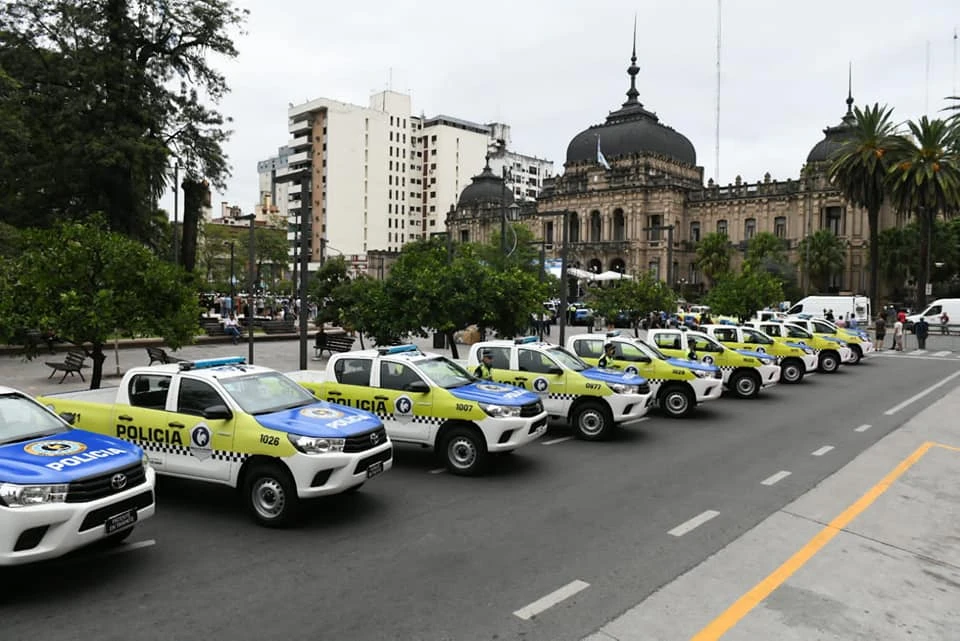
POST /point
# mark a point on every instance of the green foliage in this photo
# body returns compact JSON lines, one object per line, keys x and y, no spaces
{"x":766,"y":249}
{"x":821,"y":256}
{"x":523,"y":249}
{"x":322,"y":285}
{"x":99,"y":96}
{"x":636,"y":297}
{"x":360,"y":304}
{"x":741,"y":295}
{"x":899,"y":251}
{"x":86,"y":283}
{"x":714,"y":253}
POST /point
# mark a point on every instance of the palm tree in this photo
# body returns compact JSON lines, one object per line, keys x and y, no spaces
{"x":860,"y":170}
{"x":713,"y":256}
{"x":822,"y":256}
{"x":924,"y":179}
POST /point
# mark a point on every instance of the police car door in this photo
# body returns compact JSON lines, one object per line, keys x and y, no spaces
{"x":539,"y":373}
{"x":409,"y":402}
{"x":631,"y":359}
{"x":500,"y":367}
{"x":671,"y":343}
{"x":144,"y":420}
{"x":199,"y":413}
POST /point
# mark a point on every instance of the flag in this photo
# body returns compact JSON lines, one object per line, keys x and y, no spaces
{"x":600,"y":159}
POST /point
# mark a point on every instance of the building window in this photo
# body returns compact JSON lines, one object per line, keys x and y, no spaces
{"x":780,"y":226}
{"x":548,"y":231}
{"x":694,"y":274}
{"x":722,"y":227}
{"x":573,"y":234}
{"x":653,"y":227}
{"x":596,"y":227}
{"x":654,"y":268}
{"x":832,"y":219}
{"x":464,"y":236}
{"x":695,"y":232}
{"x":749,"y":228}
{"x":619,"y":225}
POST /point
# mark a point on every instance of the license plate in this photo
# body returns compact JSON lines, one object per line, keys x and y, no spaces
{"x":120,"y":521}
{"x":373,"y":470}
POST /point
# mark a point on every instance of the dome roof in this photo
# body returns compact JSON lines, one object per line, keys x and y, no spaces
{"x":630,"y":130}
{"x":486,"y":188}
{"x":833,"y":137}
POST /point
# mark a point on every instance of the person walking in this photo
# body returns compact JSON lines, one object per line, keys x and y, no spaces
{"x":898,"y":336}
{"x":922,"y":329}
{"x":880,"y":328}
{"x":944,"y":324}
{"x":485,"y":369}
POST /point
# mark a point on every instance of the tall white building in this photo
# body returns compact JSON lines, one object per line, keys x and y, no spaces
{"x":377,"y":177}
{"x":524,"y":174}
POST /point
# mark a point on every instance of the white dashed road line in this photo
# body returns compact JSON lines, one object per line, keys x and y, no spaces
{"x":945,"y":352}
{"x":919,"y":351}
{"x":916,"y":397}
{"x":823,"y":450}
{"x":776,"y":478}
{"x":693,"y":523}
{"x":439,"y":470}
{"x":554,"y":441}
{"x":863,"y":428}
{"x":545,"y":603}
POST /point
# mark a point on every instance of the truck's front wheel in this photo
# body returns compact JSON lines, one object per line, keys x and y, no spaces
{"x":464,"y":451}
{"x":829,"y":362}
{"x":271,"y":495}
{"x":592,"y":420}
{"x":745,"y":383}
{"x":792,"y":370}
{"x":857,"y":353}
{"x":677,"y":401}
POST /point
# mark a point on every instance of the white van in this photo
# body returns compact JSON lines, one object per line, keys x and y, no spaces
{"x":841,"y":306}
{"x":934,"y":310}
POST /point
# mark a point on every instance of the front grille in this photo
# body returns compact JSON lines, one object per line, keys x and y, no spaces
{"x":363,"y":464}
{"x":100,"y":515}
{"x":97,"y":487}
{"x":531,"y":409}
{"x":366,"y":441}
{"x":537,"y":425}
{"x":643,"y":388}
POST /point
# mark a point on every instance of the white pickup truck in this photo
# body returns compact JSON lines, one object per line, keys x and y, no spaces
{"x":246,"y":426}
{"x":428,"y":400}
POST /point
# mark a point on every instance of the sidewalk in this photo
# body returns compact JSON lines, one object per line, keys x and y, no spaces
{"x":872,"y":553}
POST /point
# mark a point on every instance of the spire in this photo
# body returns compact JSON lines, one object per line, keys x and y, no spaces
{"x":849,"y":119}
{"x":633,"y":69}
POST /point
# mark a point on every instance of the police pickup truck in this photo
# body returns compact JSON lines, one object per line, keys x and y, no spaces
{"x":796,"y":359}
{"x":831,"y":352}
{"x":249,"y":427}
{"x":428,"y":400}
{"x":858,"y":341}
{"x":593,"y":400}
{"x":62,"y":488}
{"x":678,"y":385}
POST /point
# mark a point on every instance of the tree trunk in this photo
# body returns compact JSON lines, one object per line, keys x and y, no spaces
{"x":195,"y":195}
{"x":925,"y":227}
{"x":98,"y":358}
{"x":873,"y":219}
{"x":453,"y":345}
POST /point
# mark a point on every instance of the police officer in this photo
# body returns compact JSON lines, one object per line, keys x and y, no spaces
{"x":485,"y":368}
{"x":608,"y":355}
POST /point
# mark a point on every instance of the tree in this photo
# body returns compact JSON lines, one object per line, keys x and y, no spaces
{"x":924,"y":179}
{"x":822,"y":256}
{"x":764,"y":249}
{"x":741,"y":295}
{"x":361,"y":303}
{"x":522,"y":249}
{"x":101,"y":95}
{"x":271,"y":250}
{"x":900,"y":252}
{"x":635,"y":297}
{"x":322,"y":285}
{"x":713,"y":256}
{"x":87,"y":283}
{"x":860,"y":169}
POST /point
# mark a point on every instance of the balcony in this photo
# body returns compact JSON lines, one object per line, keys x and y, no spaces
{"x":294,"y":204}
{"x":298,"y":158}
{"x":300,"y":126}
{"x":299,"y":142}
{"x":295,"y":188}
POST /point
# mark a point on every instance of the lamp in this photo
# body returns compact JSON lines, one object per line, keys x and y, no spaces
{"x":251,"y":304}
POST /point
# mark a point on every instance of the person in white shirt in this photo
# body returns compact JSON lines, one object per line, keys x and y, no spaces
{"x":232,"y":328}
{"x":898,"y":336}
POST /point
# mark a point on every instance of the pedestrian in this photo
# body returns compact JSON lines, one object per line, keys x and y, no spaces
{"x":609,"y":351}
{"x":880,"y":327}
{"x":485,"y":369}
{"x":829,"y":315}
{"x":852,"y":322}
{"x":902,"y":316}
{"x":922,"y":329}
{"x":898,"y":335}
{"x":231,"y":328}
{"x":944,"y":324}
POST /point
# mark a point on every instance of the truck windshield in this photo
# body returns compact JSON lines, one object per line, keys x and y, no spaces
{"x":22,"y":419}
{"x":566,"y":359}
{"x":444,"y":372}
{"x":266,"y":392}
{"x":650,"y":350}
{"x":756,"y":338}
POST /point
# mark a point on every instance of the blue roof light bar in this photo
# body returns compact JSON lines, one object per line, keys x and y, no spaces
{"x":207,"y":363}
{"x":397,"y":349}
{"x":525,"y":340}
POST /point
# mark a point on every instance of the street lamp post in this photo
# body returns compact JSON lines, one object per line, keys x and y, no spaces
{"x":562,"y":312}
{"x":251,"y":303}
{"x":233,"y":287}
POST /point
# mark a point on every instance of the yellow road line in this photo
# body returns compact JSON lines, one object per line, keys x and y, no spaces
{"x":733,"y":615}
{"x":948,"y":447}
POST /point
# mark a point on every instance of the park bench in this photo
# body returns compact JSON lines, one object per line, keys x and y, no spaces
{"x":278,"y":326}
{"x":159,"y":355}
{"x":71,"y":364}
{"x":213,"y":328}
{"x":332,"y":343}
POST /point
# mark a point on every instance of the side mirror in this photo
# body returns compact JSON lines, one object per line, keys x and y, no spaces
{"x":69,"y":417}
{"x":554,"y":371}
{"x":417,"y":387}
{"x":217,"y":412}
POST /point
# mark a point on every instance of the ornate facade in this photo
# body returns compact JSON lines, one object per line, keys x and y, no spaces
{"x":637,"y":201}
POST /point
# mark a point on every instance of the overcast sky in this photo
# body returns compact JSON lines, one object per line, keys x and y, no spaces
{"x":551,"y":69}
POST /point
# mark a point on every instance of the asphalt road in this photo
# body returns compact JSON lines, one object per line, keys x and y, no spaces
{"x":418,"y":555}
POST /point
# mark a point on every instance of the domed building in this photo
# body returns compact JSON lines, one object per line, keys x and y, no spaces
{"x":482,"y":205}
{"x":636,"y":201}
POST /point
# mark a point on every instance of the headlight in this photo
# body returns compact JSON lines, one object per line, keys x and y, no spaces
{"x":312,"y":445}
{"x":843,"y":344}
{"x":13,"y":495}
{"x":700,"y":373}
{"x":622,"y":388}
{"x":500,"y":411}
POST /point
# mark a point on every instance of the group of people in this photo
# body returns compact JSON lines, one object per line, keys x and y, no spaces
{"x":921,"y":330}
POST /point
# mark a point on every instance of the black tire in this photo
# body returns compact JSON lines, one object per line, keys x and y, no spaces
{"x":792,"y":371}
{"x":745,"y":383}
{"x":119,"y":537}
{"x":857,"y":353}
{"x":592,"y":420}
{"x":464,"y":451}
{"x":677,"y":401}
{"x":270,"y":495}
{"x":829,"y":362}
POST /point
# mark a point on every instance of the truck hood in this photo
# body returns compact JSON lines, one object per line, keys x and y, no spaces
{"x":321,"y":420}
{"x":613,"y":376}
{"x":689,"y":364}
{"x":484,"y":392}
{"x":757,"y":355}
{"x":64,"y":457}
{"x":802,"y":346}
